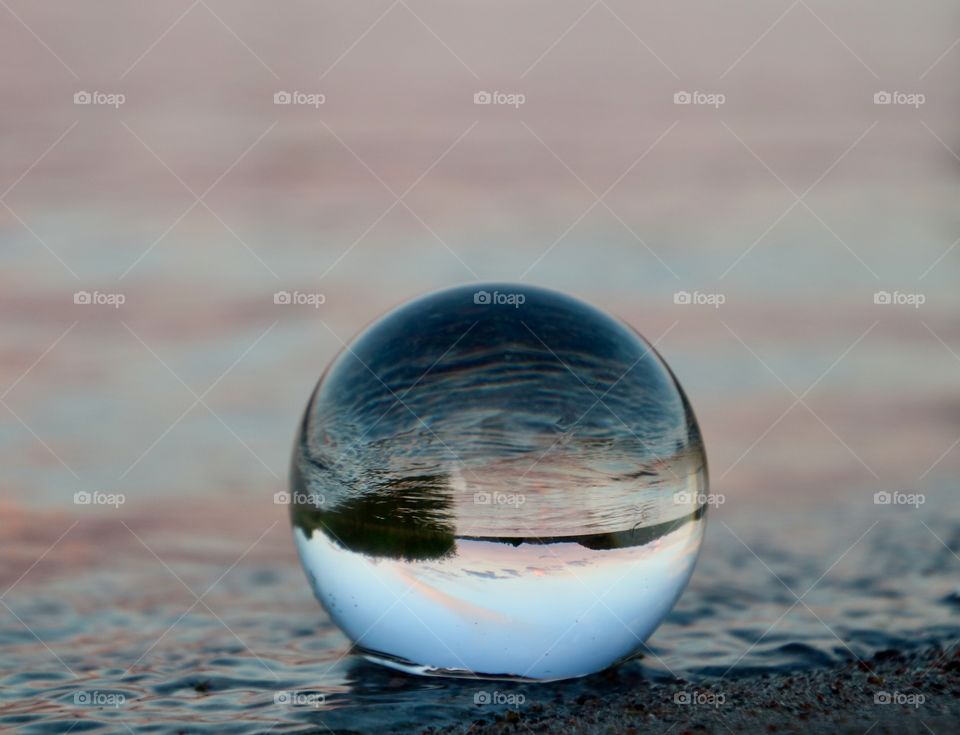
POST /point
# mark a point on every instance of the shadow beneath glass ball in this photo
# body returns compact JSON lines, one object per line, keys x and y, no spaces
{"x":387,"y":700}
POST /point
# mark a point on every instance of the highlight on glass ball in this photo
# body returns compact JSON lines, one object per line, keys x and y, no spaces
{"x":498,"y":481}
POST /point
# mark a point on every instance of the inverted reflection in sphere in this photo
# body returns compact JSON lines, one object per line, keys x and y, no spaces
{"x":498,"y":481}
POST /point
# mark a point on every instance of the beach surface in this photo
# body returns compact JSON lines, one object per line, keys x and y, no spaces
{"x":178,"y":269}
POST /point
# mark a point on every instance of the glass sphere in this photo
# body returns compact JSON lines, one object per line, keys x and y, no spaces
{"x":498,"y":480}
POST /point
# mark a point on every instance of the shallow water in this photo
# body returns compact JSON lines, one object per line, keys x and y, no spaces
{"x":227,"y":668}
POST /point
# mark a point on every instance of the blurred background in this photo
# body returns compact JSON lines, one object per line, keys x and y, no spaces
{"x":784,"y":165}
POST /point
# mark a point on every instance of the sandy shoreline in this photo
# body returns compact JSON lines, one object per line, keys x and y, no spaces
{"x":925,"y":688}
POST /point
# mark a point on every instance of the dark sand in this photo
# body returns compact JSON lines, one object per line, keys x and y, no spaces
{"x":840,"y":699}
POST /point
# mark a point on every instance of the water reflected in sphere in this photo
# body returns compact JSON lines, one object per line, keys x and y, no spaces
{"x":498,"y":481}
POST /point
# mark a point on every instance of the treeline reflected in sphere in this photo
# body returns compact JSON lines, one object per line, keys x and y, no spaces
{"x":498,"y":480}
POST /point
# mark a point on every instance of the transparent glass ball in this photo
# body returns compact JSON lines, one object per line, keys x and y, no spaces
{"x":498,"y":480}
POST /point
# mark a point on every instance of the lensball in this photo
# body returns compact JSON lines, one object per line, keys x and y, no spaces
{"x":499,"y":481}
